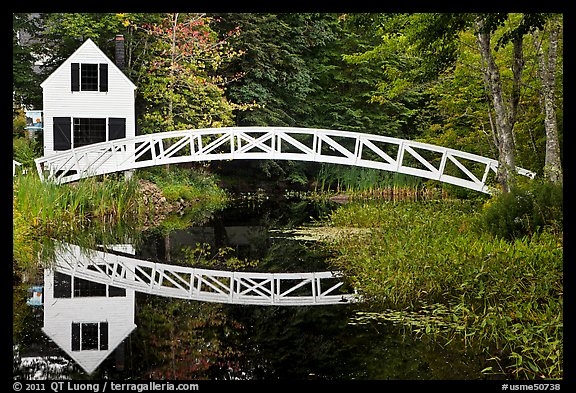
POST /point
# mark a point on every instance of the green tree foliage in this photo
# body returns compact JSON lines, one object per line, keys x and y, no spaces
{"x":63,"y":33}
{"x":383,"y":52}
{"x":434,"y":59}
{"x":277,"y":73}
{"x":415,"y":76}
{"x":25,"y":82}
{"x":461,"y":118}
{"x":294,"y":68}
{"x":274,"y":67}
{"x":181,"y":82}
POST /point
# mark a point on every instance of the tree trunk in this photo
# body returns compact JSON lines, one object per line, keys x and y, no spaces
{"x":547,"y":68}
{"x":171,"y":85}
{"x":517,"y":67}
{"x":504,"y":119}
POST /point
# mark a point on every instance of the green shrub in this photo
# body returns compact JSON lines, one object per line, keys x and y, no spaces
{"x":524,"y":211}
{"x":26,"y":150}
{"x":184,"y":183}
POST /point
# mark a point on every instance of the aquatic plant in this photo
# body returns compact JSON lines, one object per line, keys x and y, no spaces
{"x":504,"y":296}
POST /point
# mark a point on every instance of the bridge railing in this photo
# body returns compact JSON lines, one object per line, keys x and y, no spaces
{"x":277,"y":143}
{"x":236,"y":287}
{"x":15,"y":164}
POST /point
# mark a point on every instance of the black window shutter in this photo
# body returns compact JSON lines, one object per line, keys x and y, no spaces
{"x":103,"y":77}
{"x":75,"y":85}
{"x":116,"y":128}
{"x":75,"y":336}
{"x":103,"y":336}
{"x":62,"y":133}
{"x":62,"y":285}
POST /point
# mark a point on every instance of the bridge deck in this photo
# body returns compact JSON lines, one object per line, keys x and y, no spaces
{"x":277,"y":143}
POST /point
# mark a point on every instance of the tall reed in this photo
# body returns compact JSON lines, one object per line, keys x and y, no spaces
{"x":50,"y":208}
{"x":366,"y":183}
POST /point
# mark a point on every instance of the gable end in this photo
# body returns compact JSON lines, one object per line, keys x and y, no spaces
{"x":88,"y":52}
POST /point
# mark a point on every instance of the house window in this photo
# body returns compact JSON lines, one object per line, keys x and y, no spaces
{"x":116,"y":291}
{"x":86,"y":288}
{"x":66,"y":286}
{"x":89,"y":336}
{"x":88,"y":131}
{"x":116,"y":128}
{"x":62,"y":285}
{"x":89,"y":77}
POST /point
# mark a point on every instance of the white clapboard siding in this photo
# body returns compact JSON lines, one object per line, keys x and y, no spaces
{"x":60,"y":101}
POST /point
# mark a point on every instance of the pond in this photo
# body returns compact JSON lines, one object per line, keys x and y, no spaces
{"x":92,"y":330}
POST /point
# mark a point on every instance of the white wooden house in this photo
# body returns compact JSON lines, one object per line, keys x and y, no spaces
{"x":88,"y":99}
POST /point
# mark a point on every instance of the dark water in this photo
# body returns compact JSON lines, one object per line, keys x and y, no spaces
{"x":152,"y":337}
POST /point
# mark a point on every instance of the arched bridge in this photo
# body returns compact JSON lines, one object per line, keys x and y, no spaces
{"x":276,"y":143}
{"x":184,"y":282}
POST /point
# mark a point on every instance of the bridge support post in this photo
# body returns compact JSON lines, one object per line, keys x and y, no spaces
{"x":128,"y":174}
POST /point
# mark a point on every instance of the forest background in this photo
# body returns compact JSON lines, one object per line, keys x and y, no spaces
{"x":489,"y":84}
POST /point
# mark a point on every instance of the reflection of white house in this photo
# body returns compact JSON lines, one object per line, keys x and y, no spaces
{"x":87,"y":320}
{"x":88,"y":99}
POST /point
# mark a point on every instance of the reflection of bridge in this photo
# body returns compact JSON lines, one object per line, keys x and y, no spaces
{"x":277,"y":143}
{"x":281,"y":289}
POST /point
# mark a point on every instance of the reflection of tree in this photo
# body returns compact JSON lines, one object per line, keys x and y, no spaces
{"x":181,"y":339}
{"x":220,"y":235}
{"x":296,"y":342}
{"x":35,"y":355}
{"x":289,"y":255}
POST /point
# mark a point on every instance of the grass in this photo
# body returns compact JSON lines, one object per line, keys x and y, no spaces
{"x":181,"y":183}
{"x":504,"y":296}
{"x":51,"y":206}
{"x":43,"y":211}
{"x":359,"y":183}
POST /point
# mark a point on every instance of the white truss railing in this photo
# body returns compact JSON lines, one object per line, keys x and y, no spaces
{"x":279,"y":289}
{"x":276,"y":143}
{"x":14,"y":165}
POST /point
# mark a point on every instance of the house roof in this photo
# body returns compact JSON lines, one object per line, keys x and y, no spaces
{"x":88,"y":360}
{"x":86,"y":44}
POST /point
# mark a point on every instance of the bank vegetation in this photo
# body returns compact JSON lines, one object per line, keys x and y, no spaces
{"x":488,"y":276}
{"x":44,"y":211}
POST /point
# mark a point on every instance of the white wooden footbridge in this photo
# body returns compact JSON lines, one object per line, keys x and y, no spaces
{"x":184,"y":282}
{"x":276,"y":143}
